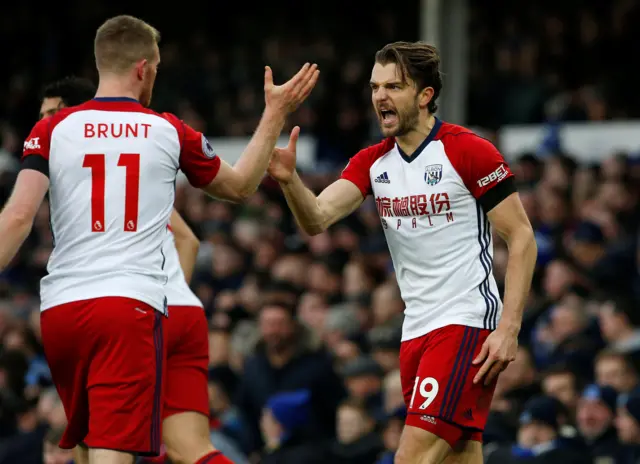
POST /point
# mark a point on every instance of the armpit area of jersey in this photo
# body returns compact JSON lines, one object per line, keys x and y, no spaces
{"x":498,"y":193}
{"x":37,"y":163}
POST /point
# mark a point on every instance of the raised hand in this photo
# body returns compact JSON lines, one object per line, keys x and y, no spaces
{"x":287,"y":97}
{"x":283,"y":160}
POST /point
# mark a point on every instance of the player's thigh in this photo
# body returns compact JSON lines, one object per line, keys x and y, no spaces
{"x":187,"y":362}
{"x":68,"y":347}
{"x":186,"y":436}
{"x":125,"y":379}
{"x":411,"y":354}
{"x":419,"y":446}
{"x":444,"y":400}
{"x":107,"y":456}
{"x":466,"y":452}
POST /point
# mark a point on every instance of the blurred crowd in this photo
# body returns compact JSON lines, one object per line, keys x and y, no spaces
{"x":305,"y":331}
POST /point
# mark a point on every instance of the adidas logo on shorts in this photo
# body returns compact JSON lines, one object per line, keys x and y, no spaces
{"x":430,"y":419}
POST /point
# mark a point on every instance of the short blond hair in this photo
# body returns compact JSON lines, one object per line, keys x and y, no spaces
{"x":122,"y":41}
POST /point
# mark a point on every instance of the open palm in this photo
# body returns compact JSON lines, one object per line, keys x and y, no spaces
{"x":283,"y":160}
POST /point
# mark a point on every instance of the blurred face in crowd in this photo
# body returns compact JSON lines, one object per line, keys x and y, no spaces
{"x":290,"y":268}
{"x":627,"y":427}
{"x":320,"y":279}
{"x":395,"y":101}
{"x":593,"y":418}
{"x":557,"y":278}
{"x":312,"y":311}
{"x":552,"y":208}
{"x":519,"y":373}
{"x":356,"y":281}
{"x":562,"y":386}
{"x":614,"y":371}
{"x":567,"y":320}
{"x":530,"y":435}
{"x":387,"y":358}
{"x":362,"y":387}
{"x":55,"y":455}
{"x":386,"y":303}
{"x":393,"y":396}
{"x":353,"y":424}
{"x":613,"y":324}
{"x":50,"y":106}
{"x":277,"y":328}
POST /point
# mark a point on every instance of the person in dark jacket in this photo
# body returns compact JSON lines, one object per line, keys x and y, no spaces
{"x":288,"y":358}
{"x":357,"y":441}
{"x":282,"y":424}
{"x":538,"y":438}
{"x":594,"y":420}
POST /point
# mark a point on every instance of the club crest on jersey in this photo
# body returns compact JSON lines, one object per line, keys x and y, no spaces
{"x":433,"y":174}
{"x":207,"y":149}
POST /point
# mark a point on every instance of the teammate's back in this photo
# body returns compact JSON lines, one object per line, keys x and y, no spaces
{"x":112,"y":167}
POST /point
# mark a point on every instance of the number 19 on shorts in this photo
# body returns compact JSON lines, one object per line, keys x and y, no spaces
{"x":97,"y":163}
{"x":428,"y":389}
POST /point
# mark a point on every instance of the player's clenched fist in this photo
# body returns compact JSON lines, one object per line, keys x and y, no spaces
{"x":283,"y":160}
{"x":287,"y":97}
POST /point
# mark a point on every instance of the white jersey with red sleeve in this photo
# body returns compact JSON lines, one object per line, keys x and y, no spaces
{"x":433,"y":206}
{"x":112,"y":167}
{"x":177,"y":290}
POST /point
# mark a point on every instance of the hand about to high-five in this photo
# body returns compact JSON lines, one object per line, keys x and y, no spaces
{"x":287,"y":97}
{"x":283,"y":160}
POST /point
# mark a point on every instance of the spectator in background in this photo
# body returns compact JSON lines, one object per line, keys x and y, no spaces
{"x":562,"y":383}
{"x":287,"y":358}
{"x":538,"y":438}
{"x":363,"y":379}
{"x":283,"y":421}
{"x":357,"y":441}
{"x":392,"y":430}
{"x":616,"y":370}
{"x":594,"y":419}
{"x":619,"y":320}
{"x":226,"y":423}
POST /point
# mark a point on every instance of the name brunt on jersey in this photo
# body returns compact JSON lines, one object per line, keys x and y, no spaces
{"x":433,"y":205}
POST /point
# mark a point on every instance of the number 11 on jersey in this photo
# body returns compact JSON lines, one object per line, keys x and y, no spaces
{"x":97,"y":164}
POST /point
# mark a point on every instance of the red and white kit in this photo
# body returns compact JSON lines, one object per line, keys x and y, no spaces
{"x":187,"y":342}
{"x":433,"y":206}
{"x":112,"y":166}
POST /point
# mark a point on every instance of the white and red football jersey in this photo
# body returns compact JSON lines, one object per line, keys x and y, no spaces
{"x":177,"y":290}
{"x":112,"y":167}
{"x":433,"y":206}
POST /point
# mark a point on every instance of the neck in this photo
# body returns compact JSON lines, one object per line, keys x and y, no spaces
{"x":412,"y":139}
{"x":115,"y":86}
{"x":281,"y":357}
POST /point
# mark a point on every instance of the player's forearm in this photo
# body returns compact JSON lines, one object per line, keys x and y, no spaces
{"x":304,"y":205}
{"x":14,"y":230}
{"x":254,"y":161}
{"x":520,"y":266}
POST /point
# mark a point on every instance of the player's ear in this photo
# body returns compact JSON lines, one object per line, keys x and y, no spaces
{"x":424,"y":96}
{"x":141,"y":69}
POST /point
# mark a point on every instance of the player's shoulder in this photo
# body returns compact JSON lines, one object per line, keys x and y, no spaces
{"x":375,"y":151}
{"x":462,"y":139}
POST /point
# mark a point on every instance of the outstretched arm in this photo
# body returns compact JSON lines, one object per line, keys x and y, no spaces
{"x":238,"y":182}
{"x":316,"y":214}
{"x":187,"y":244}
{"x":16,"y":219}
